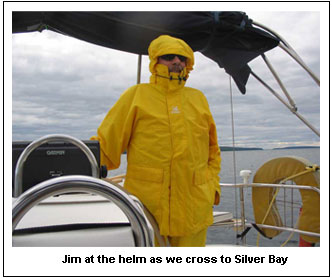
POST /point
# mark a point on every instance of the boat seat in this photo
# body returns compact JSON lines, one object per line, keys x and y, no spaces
{"x":92,"y":237}
{"x":221,"y":218}
{"x":74,"y":220}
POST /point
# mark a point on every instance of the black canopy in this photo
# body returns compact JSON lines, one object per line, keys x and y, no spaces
{"x":228,"y":38}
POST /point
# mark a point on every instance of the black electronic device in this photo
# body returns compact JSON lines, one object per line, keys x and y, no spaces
{"x":53,"y":159}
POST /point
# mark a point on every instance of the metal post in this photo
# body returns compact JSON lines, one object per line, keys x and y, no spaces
{"x":286,"y":104}
{"x":301,"y":63}
{"x":233,"y":141}
{"x":286,"y":47}
{"x":245,"y":174}
{"x":283,"y":88}
{"x":139,"y":67}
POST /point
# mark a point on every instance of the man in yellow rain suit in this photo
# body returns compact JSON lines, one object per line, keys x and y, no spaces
{"x":171,"y":141}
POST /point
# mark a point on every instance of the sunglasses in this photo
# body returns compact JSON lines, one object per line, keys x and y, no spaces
{"x":170,"y":57}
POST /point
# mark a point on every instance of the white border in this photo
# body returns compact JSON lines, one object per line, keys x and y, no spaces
{"x":47,"y":261}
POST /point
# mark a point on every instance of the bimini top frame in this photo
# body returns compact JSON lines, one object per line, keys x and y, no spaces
{"x":288,"y":49}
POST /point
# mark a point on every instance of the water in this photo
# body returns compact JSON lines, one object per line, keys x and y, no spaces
{"x":252,"y":160}
{"x":248,"y":160}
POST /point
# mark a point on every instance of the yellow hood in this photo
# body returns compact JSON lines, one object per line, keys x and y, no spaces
{"x":165,"y":44}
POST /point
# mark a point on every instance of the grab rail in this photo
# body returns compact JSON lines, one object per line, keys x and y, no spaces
{"x":288,"y":229}
{"x":18,"y":185}
{"x":142,"y":230}
{"x":290,"y":186}
{"x":246,"y":184}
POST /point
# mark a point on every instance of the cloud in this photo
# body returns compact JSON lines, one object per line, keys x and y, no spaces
{"x":64,"y":85}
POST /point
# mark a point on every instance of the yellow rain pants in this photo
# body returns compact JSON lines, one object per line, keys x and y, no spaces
{"x":196,"y":240}
{"x":170,"y":137}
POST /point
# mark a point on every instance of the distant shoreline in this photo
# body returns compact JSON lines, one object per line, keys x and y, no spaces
{"x":225,"y":149}
{"x":298,"y":147}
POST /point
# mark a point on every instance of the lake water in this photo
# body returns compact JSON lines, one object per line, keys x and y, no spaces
{"x":252,"y":160}
{"x":248,"y":160}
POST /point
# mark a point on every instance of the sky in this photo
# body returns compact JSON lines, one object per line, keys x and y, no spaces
{"x":64,"y":85}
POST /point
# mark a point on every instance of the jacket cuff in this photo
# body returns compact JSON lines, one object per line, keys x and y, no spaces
{"x":217,"y":193}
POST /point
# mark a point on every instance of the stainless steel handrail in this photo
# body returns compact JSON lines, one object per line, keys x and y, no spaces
{"x":288,"y":229}
{"x":142,"y":230}
{"x":293,"y":186}
{"x":289,"y":186}
{"x":18,"y":185}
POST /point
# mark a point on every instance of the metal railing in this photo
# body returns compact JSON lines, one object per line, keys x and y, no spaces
{"x":18,"y":184}
{"x":242,"y":222}
{"x":142,"y":230}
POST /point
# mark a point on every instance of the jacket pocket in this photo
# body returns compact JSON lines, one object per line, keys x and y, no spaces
{"x":145,"y":174}
{"x":146,"y":184}
{"x":203,"y":194}
{"x":203,"y":186}
{"x":201,"y":176}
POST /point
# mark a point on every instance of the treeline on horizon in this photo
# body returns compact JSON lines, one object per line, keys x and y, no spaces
{"x":225,"y":148}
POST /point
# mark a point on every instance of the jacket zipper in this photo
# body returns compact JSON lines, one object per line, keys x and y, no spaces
{"x":171,"y":163}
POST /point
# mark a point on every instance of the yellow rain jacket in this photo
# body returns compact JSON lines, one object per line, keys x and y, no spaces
{"x":171,"y":142}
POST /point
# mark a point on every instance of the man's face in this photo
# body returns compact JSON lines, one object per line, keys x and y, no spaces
{"x":175,"y":63}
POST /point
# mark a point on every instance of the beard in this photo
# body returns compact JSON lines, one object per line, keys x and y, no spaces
{"x":175,"y":68}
